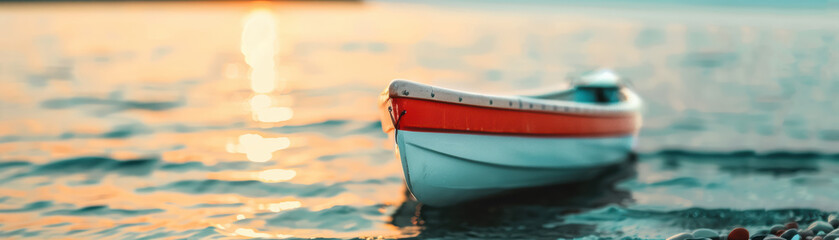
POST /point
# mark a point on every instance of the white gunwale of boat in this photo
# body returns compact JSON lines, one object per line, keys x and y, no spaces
{"x":400,"y":88}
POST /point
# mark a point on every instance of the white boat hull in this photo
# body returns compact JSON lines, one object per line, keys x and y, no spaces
{"x":449,"y":168}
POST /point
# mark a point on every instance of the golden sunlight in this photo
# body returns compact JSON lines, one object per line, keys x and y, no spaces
{"x":259,"y":39}
{"x":258,"y":45}
{"x":258,"y":148}
{"x":263,"y":112}
{"x":276,"y":175}
{"x":277,"y":207}
{"x":247,"y":232}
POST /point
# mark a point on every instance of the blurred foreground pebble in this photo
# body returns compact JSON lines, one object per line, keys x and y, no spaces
{"x":820,"y":226}
{"x":833,"y":219}
{"x":789,"y":233}
{"x":738,"y":234}
{"x":818,"y":230}
{"x":705,"y":233}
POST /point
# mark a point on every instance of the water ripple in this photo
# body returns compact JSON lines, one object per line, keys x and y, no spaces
{"x":335,"y":128}
{"x":687,"y":182}
{"x":116,"y":229}
{"x":102,"y":210}
{"x":12,"y":164}
{"x":745,"y":154}
{"x":114,"y":104}
{"x":200,"y":166}
{"x":34,"y":206}
{"x":23,"y":232}
{"x":139,"y":167}
{"x":249,"y":188}
{"x":337,"y":218}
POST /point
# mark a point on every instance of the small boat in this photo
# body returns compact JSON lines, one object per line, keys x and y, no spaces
{"x":457,"y":146}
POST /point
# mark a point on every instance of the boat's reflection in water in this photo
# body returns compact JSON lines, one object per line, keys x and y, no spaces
{"x":531,"y":213}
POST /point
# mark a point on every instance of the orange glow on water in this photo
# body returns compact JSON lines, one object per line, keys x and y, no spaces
{"x":260,"y":101}
{"x":258,"y":148}
{"x":276,"y":175}
{"x":264,"y":112}
{"x":247,"y":232}
{"x":282,"y":206}
{"x":266,"y":176}
{"x":259,"y":38}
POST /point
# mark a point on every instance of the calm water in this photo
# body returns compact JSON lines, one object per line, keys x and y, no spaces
{"x":235,"y":120}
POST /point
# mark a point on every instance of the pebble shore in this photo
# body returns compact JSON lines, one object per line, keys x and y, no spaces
{"x":818,"y":230}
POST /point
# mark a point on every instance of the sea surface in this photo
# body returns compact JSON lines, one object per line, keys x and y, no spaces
{"x":218,"y":120}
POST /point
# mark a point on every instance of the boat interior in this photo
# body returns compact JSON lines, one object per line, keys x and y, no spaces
{"x":599,"y":95}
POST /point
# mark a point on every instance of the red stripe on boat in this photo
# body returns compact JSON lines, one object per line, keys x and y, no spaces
{"x":432,"y":116}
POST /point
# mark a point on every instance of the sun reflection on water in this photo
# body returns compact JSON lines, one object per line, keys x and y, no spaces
{"x":247,"y":232}
{"x":264,"y":112}
{"x":276,"y":175}
{"x":258,"y":148}
{"x":282,"y":206}
{"x":258,"y":40}
{"x":266,"y":176}
{"x":259,"y":37}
